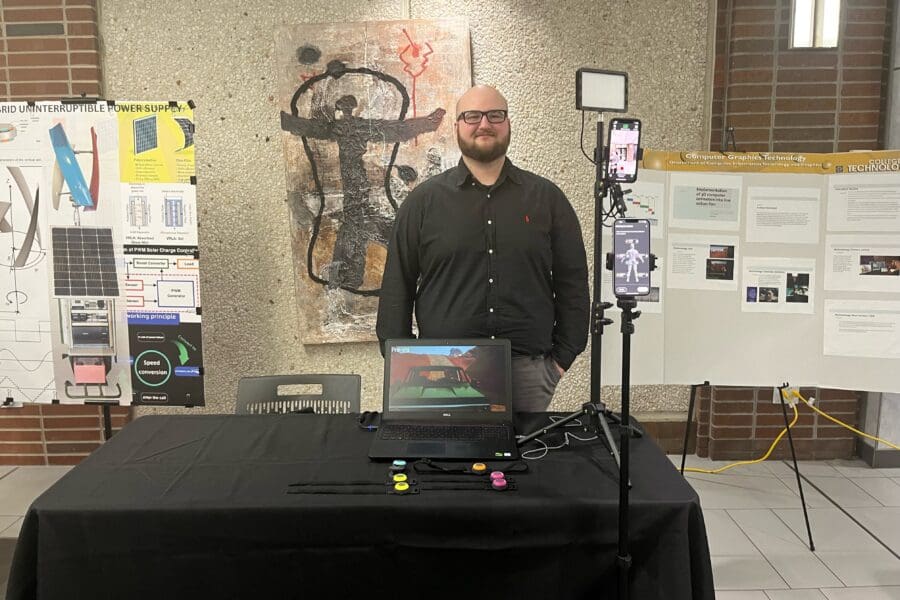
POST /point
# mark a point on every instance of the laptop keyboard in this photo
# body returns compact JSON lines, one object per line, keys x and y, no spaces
{"x":465,"y":433}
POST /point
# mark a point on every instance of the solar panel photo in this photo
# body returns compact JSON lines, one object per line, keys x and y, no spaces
{"x":145,"y":134}
{"x":188,"y":129}
{"x":84,"y":263}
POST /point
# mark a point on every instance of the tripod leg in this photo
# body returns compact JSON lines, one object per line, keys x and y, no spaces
{"x":687,"y":426}
{"x":613,"y":449}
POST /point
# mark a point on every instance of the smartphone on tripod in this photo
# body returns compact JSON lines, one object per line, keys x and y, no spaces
{"x":631,"y":257}
{"x":624,"y":150}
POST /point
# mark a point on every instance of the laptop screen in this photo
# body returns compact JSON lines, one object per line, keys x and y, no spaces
{"x":447,"y":379}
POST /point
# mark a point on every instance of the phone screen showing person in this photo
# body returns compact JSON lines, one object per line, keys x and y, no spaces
{"x":624,"y":143}
{"x":631,"y":265}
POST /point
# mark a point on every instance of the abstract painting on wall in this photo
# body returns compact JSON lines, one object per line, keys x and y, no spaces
{"x":366,"y":115}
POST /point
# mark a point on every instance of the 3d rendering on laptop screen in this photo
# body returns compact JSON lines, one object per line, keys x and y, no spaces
{"x":448,"y":378}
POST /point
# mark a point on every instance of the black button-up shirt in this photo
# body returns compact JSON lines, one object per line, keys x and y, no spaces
{"x":504,"y":261}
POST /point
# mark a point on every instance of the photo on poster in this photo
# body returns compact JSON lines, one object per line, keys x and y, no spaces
{"x":156,"y":142}
{"x":719,"y":269}
{"x":768,"y":294}
{"x":862,"y":263}
{"x":778,"y":285}
{"x":879,"y":265}
{"x":797,"y":288}
{"x":702,"y":261}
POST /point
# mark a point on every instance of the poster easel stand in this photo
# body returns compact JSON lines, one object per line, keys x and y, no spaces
{"x":781,"y":390}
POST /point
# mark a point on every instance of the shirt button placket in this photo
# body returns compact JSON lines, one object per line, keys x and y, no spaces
{"x":492,"y":296}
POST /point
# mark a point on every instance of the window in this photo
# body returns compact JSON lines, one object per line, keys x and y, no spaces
{"x":815,"y":23}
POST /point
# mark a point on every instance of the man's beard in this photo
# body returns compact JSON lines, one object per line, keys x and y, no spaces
{"x":471,"y":149}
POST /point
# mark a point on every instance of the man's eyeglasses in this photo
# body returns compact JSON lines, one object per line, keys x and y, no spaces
{"x":473,"y":117}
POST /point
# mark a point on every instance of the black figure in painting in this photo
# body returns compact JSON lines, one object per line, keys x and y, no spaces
{"x":361,"y":219}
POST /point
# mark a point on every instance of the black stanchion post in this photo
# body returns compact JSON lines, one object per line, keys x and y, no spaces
{"x":107,"y":422}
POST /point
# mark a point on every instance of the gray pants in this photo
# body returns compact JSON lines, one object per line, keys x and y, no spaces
{"x":533,"y":382}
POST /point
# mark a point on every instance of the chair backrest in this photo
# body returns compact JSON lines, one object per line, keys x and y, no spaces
{"x":259,"y":395}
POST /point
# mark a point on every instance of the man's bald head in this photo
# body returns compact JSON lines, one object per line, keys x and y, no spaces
{"x":484,"y":141}
{"x":481,"y":97}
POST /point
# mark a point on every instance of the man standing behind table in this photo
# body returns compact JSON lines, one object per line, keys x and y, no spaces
{"x":488,"y":250}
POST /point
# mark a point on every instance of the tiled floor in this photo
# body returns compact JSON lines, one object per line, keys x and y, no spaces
{"x":757,"y":535}
{"x":758,"y":538}
{"x":19,"y":486}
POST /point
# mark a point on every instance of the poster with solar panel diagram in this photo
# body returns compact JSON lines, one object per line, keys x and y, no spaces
{"x":159,"y":213}
{"x":162,"y":292}
{"x":160,"y":256}
{"x":22,"y":135}
{"x":82,"y":321}
{"x":87,"y":308}
{"x":156,"y":142}
{"x":26,"y":358}
{"x":26,"y":364}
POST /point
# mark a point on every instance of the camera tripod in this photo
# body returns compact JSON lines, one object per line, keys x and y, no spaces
{"x":598,"y":415}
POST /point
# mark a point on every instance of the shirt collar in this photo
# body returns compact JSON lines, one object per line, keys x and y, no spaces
{"x":509,"y":170}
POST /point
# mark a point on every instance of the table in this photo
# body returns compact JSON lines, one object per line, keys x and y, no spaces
{"x":195,"y":506}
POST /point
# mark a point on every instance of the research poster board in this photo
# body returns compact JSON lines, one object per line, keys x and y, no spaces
{"x":772,"y":267}
{"x":100,"y":298}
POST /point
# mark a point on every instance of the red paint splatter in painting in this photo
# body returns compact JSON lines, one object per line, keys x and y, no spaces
{"x":415,"y":61}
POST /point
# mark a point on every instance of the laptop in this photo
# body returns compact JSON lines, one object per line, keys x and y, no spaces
{"x":446,"y":399}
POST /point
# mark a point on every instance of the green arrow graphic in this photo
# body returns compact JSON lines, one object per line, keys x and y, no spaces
{"x":182,"y":352}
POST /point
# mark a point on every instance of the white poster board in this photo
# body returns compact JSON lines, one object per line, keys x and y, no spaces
{"x":774,"y":267}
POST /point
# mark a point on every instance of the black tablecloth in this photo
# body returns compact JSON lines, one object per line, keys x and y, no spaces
{"x":196,"y":507}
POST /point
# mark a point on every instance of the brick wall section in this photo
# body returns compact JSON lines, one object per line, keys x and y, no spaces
{"x":668,"y":435}
{"x":702,"y":403}
{"x":53,"y":434}
{"x":792,"y":100}
{"x":741,"y":423}
{"x":800,"y":100}
{"x":49,"y":50}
